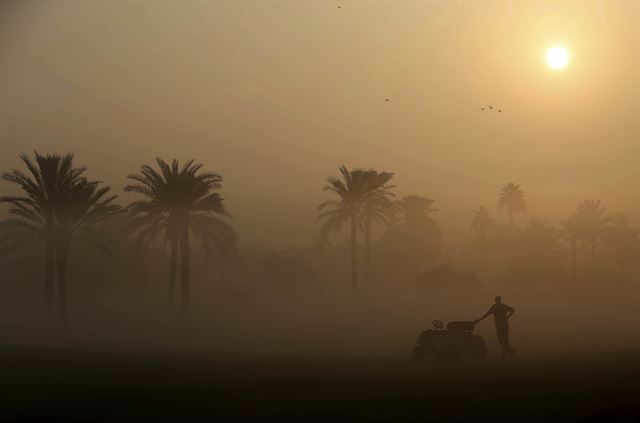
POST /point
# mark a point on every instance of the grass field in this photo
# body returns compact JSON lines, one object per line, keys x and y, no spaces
{"x":73,"y":384}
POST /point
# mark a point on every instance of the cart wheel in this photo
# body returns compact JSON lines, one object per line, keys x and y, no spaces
{"x":448,"y":352}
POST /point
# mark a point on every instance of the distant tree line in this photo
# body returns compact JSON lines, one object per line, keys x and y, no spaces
{"x":59,"y":207}
{"x":538,"y":243}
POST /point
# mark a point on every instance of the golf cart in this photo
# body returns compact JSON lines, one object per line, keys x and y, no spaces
{"x":450,"y":343}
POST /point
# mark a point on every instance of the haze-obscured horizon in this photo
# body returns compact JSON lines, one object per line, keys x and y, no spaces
{"x":276,"y":96}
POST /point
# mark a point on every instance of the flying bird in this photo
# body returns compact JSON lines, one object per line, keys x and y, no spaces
{"x":386,"y":100}
{"x":482,"y":108}
{"x":499,"y":110}
{"x":491,"y":107}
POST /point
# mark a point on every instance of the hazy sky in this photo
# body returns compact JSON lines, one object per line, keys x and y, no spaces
{"x":276,"y":95}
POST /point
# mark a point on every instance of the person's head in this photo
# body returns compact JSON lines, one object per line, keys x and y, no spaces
{"x":498,"y":299}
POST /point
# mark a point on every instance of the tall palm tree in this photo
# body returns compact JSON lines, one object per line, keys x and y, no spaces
{"x":482,"y":223}
{"x":591,"y":215}
{"x":45,"y":186}
{"x":180,"y":201}
{"x":86,"y":205}
{"x":378,"y":208}
{"x":571,"y":233}
{"x":512,"y":199}
{"x":351,"y":188}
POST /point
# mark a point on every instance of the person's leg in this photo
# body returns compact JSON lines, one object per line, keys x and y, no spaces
{"x":507,"y":343}
{"x":503,"y":338}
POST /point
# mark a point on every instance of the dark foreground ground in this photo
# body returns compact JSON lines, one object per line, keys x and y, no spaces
{"x":71,"y":384}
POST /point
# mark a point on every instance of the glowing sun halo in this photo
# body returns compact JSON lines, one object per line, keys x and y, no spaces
{"x":557,"y":57}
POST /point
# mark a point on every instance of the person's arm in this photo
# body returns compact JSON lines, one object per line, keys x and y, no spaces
{"x":487,"y":314}
{"x":510,"y":312}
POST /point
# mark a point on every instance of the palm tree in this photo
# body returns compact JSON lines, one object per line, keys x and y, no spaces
{"x":352,"y":190}
{"x":415,"y":234}
{"x":482,"y":223}
{"x":591,"y":216}
{"x":512,"y":199}
{"x":414,"y":210}
{"x":378,"y":208}
{"x":48,"y":181}
{"x":179,"y":202}
{"x":571,"y":234}
{"x":621,"y":238}
{"x":86,"y":205}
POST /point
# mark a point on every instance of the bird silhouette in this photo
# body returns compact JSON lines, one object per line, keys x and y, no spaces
{"x":499,"y":110}
{"x":482,"y":108}
{"x":491,"y":107}
{"x":386,"y":100}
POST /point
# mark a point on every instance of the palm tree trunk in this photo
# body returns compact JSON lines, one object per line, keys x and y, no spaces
{"x":354,"y":251}
{"x":510,"y":219}
{"x":367,"y":249}
{"x":172,"y":272}
{"x":184,"y":272}
{"x":574,"y":260}
{"x":62,"y":254}
{"x":49,"y":290}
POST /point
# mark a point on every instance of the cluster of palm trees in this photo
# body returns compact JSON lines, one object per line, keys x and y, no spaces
{"x":179,"y":201}
{"x":60,"y":207}
{"x":510,"y":199}
{"x":589,"y":226}
{"x":364,"y":198}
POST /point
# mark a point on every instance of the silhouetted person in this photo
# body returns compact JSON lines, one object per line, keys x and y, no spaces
{"x":501,"y":314}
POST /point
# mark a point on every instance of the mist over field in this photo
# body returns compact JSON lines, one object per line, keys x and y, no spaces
{"x":300,"y":301}
{"x":206,"y":205}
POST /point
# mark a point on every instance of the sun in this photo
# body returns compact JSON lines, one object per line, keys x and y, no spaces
{"x":557,"y":57}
